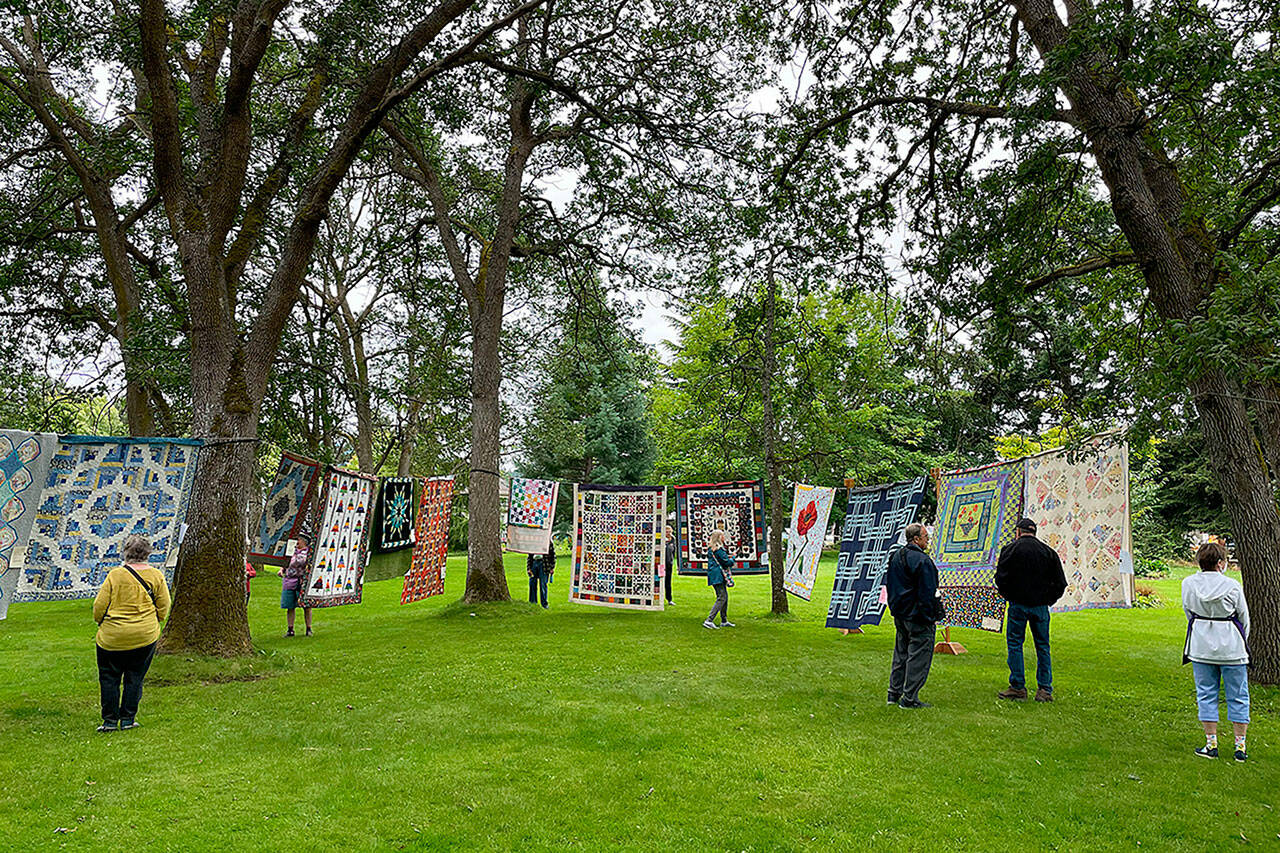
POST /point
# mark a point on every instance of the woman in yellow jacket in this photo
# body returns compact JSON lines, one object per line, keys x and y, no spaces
{"x":133,"y":601}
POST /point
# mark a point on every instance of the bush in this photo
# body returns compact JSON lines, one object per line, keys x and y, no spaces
{"x":1145,"y":596}
{"x":1148,"y":567}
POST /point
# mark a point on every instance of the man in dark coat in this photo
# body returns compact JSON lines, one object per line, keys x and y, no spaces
{"x":1030,"y":576}
{"x":911,"y":584}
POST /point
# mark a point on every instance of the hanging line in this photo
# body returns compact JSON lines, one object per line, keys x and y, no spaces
{"x":213,"y":442}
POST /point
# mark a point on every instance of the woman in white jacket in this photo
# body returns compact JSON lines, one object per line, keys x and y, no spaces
{"x":1217,"y":647}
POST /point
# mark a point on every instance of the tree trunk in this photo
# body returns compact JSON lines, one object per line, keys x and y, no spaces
{"x":486,"y":577}
{"x":769,"y":425}
{"x":408,"y":439}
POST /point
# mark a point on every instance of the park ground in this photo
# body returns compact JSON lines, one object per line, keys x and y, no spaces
{"x":439,"y":725}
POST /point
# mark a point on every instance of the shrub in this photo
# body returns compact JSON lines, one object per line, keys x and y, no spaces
{"x":1144,"y":595}
{"x":1147,"y":567}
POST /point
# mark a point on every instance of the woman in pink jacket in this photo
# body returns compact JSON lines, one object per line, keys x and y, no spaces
{"x":294,"y":574}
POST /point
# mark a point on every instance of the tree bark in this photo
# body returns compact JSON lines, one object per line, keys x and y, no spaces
{"x":486,"y":576}
{"x":769,"y":426}
{"x":1181,"y":266}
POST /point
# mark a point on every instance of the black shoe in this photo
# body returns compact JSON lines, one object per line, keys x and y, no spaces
{"x":893,"y":698}
{"x":1207,"y":752}
{"x":109,"y":726}
{"x":913,"y":704}
{"x":125,"y":725}
{"x":1241,"y":756}
{"x":289,"y":633}
{"x":308,"y":632}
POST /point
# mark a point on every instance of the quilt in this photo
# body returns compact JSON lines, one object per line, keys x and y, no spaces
{"x":737,"y":508}
{"x":24,"y":467}
{"x":874,"y":523}
{"x":336,"y":571}
{"x":810,"y":510}
{"x":286,"y":509}
{"x":425,"y":577}
{"x":531,"y":510}
{"x":1079,"y":501}
{"x":98,"y":492}
{"x":393,"y":513}
{"x":978,"y":509}
{"x":618,"y":546}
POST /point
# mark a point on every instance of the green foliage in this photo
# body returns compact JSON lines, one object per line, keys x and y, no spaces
{"x":846,"y":396}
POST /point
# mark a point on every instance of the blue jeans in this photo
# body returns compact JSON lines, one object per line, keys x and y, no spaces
{"x":1235,"y":684}
{"x":538,"y":583}
{"x":1016,"y":634}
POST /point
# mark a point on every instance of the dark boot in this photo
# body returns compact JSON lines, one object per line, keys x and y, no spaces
{"x":1013,"y":693}
{"x":1043,"y":695}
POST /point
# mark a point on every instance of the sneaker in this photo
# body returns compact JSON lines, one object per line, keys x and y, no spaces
{"x":1043,"y":695}
{"x":913,"y":704}
{"x":125,"y":725}
{"x":289,"y":633}
{"x":727,"y":624}
{"x":1017,"y":693}
{"x":670,"y":603}
{"x":308,"y":632}
{"x":1207,"y":752}
{"x":109,"y":726}
{"x":710,"y":624}
{"x":892,"y":699}
{"x":1240,"y":756}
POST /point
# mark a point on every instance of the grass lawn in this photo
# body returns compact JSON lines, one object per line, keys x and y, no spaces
{"x":503,"y":727}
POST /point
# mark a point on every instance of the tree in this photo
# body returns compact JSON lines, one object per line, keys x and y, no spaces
{"x":590,"y":420}
{"x":1164,"y":108}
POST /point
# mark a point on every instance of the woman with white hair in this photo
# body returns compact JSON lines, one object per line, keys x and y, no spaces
{"x":133,"y":601}
{"x":719,"y":577}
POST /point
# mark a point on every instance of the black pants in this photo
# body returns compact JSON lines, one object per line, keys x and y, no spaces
{"x":668,"y":586}
{"x":912,"y":657}
{"x":131,"y":666}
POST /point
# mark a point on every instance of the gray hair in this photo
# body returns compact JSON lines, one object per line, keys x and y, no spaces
{"x":136,"y":549}
{"x":913,"y":531}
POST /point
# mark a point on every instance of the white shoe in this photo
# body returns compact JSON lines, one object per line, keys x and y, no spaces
{"x":727,"y":625}
{"x":710,"y":624}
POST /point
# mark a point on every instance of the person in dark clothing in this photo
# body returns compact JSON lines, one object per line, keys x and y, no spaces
{"x":911,"y":582}
{"x":541,"y":567}
{"x":1029,"y":574}
{"x":671,"y":560}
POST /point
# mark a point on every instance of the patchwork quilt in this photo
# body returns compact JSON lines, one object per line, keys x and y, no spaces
{"x":393,"y":515}
{"x":24,"y":468}
{"x":425,"y":577}
{"x":288,"y":506}
{"x":618,"y":546}
{"x":336,"y":571}
{"x":531,"y":511}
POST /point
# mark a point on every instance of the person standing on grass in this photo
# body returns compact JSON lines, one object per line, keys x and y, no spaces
{"x":1029,"y":574}
{"x":671,"y":559}
{"x":291,"y":587}
{"x":130,"y":605}
{"x":541,"y":567}
{"x":719,"y":576}
{"x":911,"y":581}
{"x":1217,"y":647}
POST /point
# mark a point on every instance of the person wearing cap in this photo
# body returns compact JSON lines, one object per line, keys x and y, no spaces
{"x":291,"y":587}
{"x":1029,"y":574}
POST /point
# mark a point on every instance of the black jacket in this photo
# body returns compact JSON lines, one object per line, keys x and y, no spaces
{"x":545,"y":564}
{"x":1030,"y":573}
{"x":911,"y":582}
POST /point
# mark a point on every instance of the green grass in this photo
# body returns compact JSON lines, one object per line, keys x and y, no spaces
{"x":444,"y":726}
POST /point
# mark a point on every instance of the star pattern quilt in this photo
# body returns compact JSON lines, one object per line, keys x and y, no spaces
{"x":393,"y":516}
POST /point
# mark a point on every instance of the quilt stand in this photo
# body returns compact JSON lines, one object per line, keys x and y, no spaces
{"x":948,"y":646}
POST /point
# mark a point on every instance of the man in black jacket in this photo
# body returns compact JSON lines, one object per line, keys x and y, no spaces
{"x":911,"y":584}
{"x":1030,"y":576}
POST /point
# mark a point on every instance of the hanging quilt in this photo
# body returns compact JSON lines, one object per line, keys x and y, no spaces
{"x":810,"y":510}
{"x":978,"y":510}
{"x":286,"y":509}
{"x":531,"y":510}
{"x":737,"y":508}
{"x":393,"y":515}
{"x":336,"y":572}
{"x":425,"y":577}
{"x":1079,"y":501}
{"x":618,"y":546}
{"x":98,"y":492}
{"x":24,"y":468}
{"x":875,"y":522}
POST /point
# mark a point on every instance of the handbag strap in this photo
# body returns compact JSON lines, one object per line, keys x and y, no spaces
{"x":145,"y":585}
